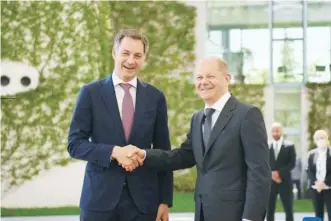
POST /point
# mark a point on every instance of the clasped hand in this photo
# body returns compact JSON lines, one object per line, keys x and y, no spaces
{"x":319,"y":186}
{"x":129,"y":157}
{"x":276,"y":177}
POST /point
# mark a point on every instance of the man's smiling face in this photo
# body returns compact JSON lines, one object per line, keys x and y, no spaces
{"x":129,"y":56}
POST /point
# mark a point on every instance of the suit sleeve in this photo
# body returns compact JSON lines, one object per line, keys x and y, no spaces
{"x":79,"y":145}
{"x":327,"y":180}
{"x":310,"y":169}
{"x":161,"y":140}
{"x":254,"y":140}
{"x":176,"y":159}
{"x":286,"y":169}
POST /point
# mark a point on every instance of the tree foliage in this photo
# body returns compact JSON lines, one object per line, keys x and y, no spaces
{"x":70,"y":44}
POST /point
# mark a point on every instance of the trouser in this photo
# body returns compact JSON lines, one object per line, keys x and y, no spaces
{"x":126,"y":210}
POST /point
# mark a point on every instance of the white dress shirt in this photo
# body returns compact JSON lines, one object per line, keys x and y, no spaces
{"x":277,"y":144}
{"x":321,"y":165}
{"x":320,"y":160}
{"x":119,"y":91}
{"x":218,"y":106}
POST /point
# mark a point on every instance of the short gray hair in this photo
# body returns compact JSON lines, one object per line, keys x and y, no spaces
{"x":276,"y":124}
{"x":131,"y":33}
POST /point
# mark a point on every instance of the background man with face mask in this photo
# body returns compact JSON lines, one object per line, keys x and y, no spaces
{"x":282,"y":157}
{"x":319,"y":174}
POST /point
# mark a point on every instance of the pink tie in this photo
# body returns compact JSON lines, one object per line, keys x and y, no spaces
{"x":127,"y":110}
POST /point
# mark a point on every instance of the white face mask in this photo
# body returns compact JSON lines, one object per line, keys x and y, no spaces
{"x":322,"y":144}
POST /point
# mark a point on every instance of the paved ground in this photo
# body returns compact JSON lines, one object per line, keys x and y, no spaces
{"x":173,"y":217}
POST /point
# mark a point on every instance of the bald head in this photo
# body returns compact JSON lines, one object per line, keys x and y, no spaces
{"x":276,"y":130}
{"x":212,"y":79}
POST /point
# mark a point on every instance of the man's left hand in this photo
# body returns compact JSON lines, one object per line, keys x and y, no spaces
{"x":162,"y":213}
{"x":320,"y":186}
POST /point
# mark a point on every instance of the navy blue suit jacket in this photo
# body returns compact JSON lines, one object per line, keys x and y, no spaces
{"x":96,"y":128}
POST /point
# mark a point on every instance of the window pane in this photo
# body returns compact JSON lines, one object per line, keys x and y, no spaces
{"x":318,"y":54}
{"x":281,"y":33}
{"x":288,"y":61}
{"x":287,"y":101}
{"x":288,"y":118}
{"x":256,"y":62}
{"x":288,"y":108}
{"x":294,"y":32}
{"x":214,"y":43}
{"x":296,"y":139}
{"x":235,"y":40}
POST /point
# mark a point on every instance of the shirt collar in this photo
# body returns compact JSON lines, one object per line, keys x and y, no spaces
{"x":219,"y":105}
{"x":280,"y":141}
{"x":322,"y":152}
{"x":117,"y":81}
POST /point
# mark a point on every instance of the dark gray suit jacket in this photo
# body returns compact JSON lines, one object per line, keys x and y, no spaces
{"x":284,"y":163}
{"x":234,"y":176}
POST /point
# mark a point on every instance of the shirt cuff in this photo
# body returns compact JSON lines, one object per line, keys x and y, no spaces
{"x":144,"y":154}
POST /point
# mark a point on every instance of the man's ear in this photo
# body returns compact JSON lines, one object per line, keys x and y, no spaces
{"x":228,"y":77}
{"x":113,"y":53}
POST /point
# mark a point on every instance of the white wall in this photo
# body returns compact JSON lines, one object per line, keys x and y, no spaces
{"x":60,"y":186}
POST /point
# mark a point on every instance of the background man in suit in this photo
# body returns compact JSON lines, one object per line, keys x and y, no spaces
{"x":227,"y":142}
{"x":109,"y":115}
{"x":282,"y":157}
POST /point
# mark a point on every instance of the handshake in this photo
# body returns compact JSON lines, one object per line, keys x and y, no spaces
{"x":129,"y":157}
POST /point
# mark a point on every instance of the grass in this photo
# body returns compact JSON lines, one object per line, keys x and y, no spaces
{"x":183,"y":202}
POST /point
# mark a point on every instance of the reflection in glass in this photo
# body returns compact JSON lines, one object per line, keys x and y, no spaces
{"x":214,"y":43}
{"x":288,"y":109}
{"x":256,"y":63}
{"x":318,"y":54}
{"x":296,"y":139}
{"x":288,"y":61}
{"x":287,"y":100}
{"x":289,"y":118}
{"x":282,"y":33}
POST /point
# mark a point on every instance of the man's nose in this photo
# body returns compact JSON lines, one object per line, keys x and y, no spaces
{"x":130,"y":59}
{"x":204,"y":81}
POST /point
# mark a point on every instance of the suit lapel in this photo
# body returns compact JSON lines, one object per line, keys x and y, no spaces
{"x":272,"y":155}
{"x":141,"y":104}
{"x":328,"y":159}
{"x":280,"y":152}
{"x":221,"y":122}
{"x":109,"y":98}
{"x":198,"y":136}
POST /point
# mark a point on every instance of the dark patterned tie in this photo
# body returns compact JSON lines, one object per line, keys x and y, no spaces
{"x":127,"y":110}
{"x":207,"y":125}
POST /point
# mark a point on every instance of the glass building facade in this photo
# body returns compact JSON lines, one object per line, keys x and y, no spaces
{"x":283,"y":44}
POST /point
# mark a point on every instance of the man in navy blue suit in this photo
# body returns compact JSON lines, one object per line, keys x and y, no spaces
{"x":109,"y":115}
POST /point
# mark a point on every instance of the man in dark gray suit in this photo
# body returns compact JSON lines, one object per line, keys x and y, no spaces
{"x":227,"y":142}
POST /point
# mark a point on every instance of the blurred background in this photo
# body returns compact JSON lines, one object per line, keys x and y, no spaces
{"x":279,"y":54}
